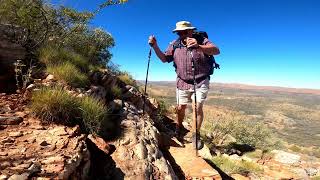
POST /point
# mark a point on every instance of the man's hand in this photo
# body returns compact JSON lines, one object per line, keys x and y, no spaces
{"x":152,"y":40}
{"x":192,"y":43}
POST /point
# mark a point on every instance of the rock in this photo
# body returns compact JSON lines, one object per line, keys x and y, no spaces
{"x":23,"y":176}
{"x":3,"y":154}
{"x":253,"y":176}
{"x":15,"y":134}
{"x":162,"y":165}
{"x":141,"y":150}
{"x":234,"y":157}
{"x":205,"y":152}
{"x":50,"y":77}
{"x":301,"y":173}
{"x":52,"y":160}
{"x":101,"y":144}
{"x":21,"y":114}
{"x":98,"y":92}
{"x":125,"y":141}
{"x":228,"y":140}
{"x":8,"y":140}
{"x":10,"y":120}
{"x":209,"y":135}
{"x":285,"y":157}
{"x":123,"y":153}
{"x":130,"y":92}
{"x":3,"y":177}
{"x":31,"y":87}
{"x":44,"y":143}
{"x":80,"y":95}
{"x":24,"y":166}
{"x":59,"y":131}
{"x":37,"y":81}
{"x":115,"y":105}
{"x":34,"y":168}
{"x":312,"y":171}
{"x":75,"y":131}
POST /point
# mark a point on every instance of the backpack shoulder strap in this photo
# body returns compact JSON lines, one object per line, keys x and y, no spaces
{"x":176,"y":44}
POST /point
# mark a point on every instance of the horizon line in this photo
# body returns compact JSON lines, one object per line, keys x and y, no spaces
{"x":246,"y":84}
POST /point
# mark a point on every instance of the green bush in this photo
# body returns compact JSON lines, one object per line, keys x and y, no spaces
{"x":70,"y":74}
{"x":54,"y":56}
{"x":127,"y":78}
{"x":116,"y":91}
{"x":55,"y":105}
{"x":162,"y":108}
{"x":93,"y":113}
{"x":244,"y":131}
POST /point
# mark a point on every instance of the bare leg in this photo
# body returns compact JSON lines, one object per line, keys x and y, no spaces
{"x":181,"y":114}
{"x":199,"y":117}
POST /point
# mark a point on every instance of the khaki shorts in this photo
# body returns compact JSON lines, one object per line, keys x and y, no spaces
{"x":187,"y":96}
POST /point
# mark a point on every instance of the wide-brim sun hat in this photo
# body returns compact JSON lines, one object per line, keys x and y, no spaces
{"x":183,"y":25}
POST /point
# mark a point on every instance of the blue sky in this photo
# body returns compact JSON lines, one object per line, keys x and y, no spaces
{"x":270,"y":42}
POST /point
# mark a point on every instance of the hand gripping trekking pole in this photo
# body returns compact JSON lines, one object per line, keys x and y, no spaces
{"x":146,"y":82}
{"x":195,"y":100}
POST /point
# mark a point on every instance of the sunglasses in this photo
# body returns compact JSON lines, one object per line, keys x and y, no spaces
{"x":180,"y":33}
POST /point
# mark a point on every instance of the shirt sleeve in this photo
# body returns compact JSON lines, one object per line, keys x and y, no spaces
{"x":169,"y":53}
{"x":206,"y":41}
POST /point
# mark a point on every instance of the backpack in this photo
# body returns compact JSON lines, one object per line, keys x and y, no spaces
{"x":199,"y":36}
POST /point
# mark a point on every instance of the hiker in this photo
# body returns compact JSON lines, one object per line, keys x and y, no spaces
{"x":181,"y":52}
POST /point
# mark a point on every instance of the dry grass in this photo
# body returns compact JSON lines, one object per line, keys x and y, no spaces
{"x":230,"y":166}
{"x":69,"y":73}
{"x":127,"y":78}
{"x":55,"y":105}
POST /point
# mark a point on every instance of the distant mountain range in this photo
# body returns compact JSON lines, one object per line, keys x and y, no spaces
{"x":244,"y":87}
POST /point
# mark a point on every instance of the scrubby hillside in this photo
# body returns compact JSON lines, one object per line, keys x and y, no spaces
{"x":280,"y":125}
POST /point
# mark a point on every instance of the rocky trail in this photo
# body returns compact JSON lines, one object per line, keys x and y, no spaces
{"x":140,"y":148}
{"x":30,"y":148}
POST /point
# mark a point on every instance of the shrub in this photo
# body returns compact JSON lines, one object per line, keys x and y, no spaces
{"x":116,"y":91}
{"x":127,"y":78}
{"x":295,"y":148}
{"x":94,"y":114}
{"x":55,"y":105}
{"x":244,"y":131}
{"x":241,"y":167}
{"x":70,"y":74}
{"x":54,"y":56}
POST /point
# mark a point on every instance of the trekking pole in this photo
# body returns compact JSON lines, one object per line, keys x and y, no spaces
{"x":195,"y":100}
{"x":146,"y":82}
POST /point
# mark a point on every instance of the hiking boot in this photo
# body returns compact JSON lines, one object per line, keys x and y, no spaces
{"x":177,"y":132}
{"x":199,"y":142}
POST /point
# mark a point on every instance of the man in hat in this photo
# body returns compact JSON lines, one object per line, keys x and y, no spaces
{"x":182,"y":52}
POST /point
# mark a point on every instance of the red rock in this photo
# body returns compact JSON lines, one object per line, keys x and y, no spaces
{"x":75,"y":131}
{"x":3,"y":154}
{"x":44,"y":143}
{"x":10,"y":120}
{"x":100,"y":143}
